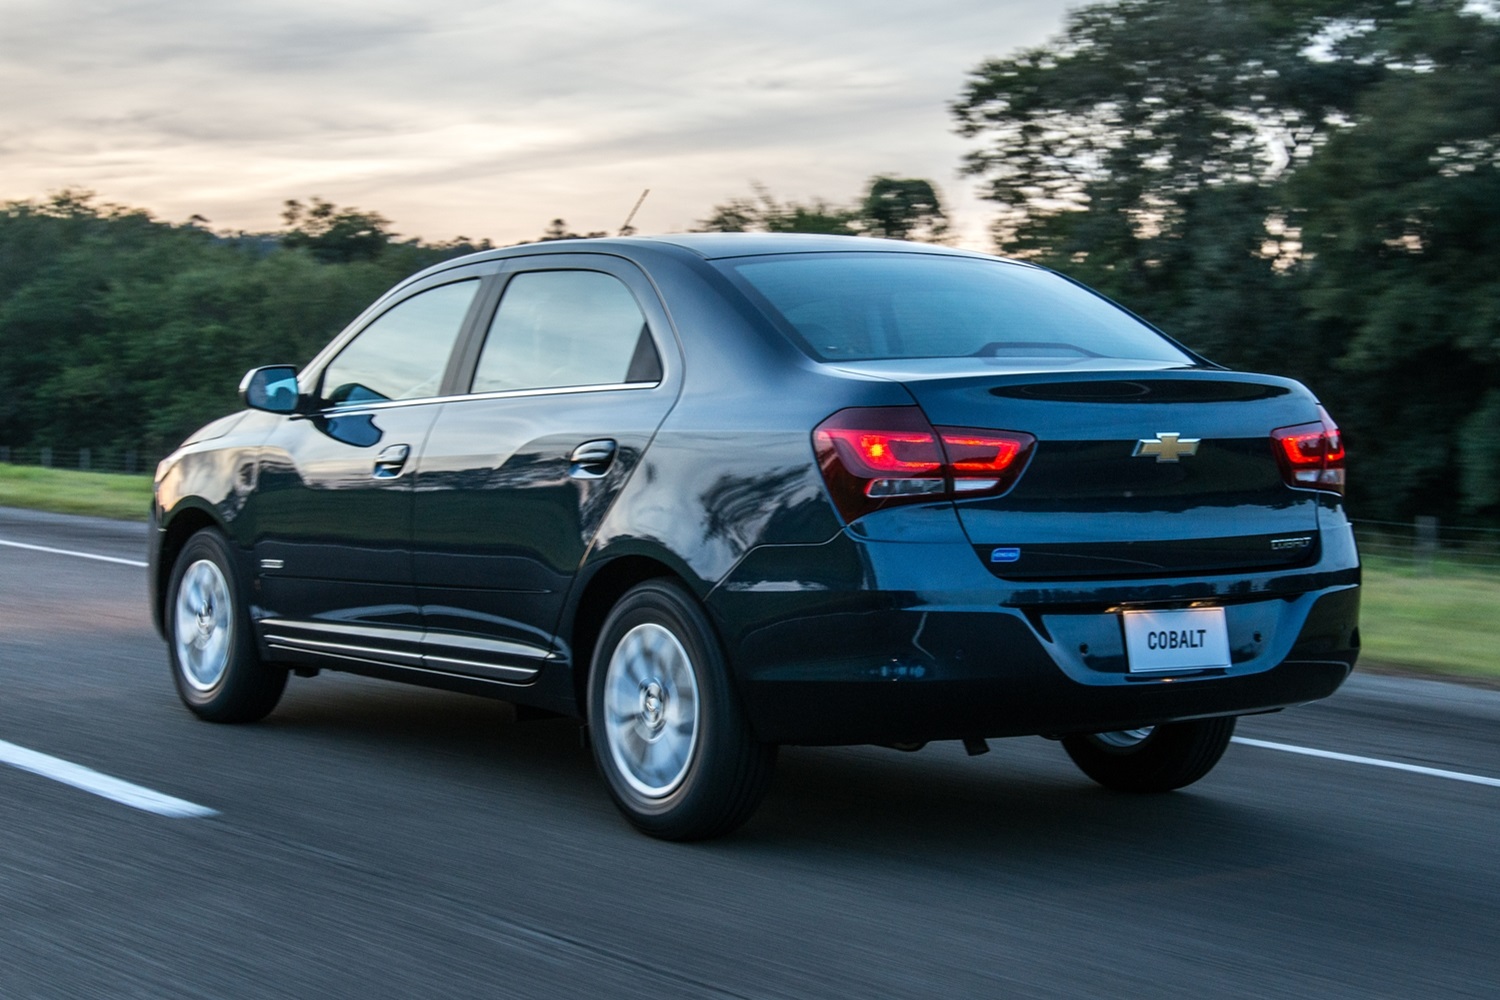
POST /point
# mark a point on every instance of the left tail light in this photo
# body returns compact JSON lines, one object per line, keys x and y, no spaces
{"x":876,"y":457}
{"x":1311,"y":455}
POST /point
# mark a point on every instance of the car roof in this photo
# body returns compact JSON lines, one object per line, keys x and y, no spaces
{"x":713,"y":246}
{"x":709,"y":246}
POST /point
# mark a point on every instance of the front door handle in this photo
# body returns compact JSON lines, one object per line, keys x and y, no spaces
{"x":389,"y":462}
{"x":591,"y":459}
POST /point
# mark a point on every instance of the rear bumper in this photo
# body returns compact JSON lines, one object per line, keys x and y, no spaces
{"x":831,"y":713}
{"x":908,"y":661}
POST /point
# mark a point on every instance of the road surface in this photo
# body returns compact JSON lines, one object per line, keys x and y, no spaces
{"x":372,"y":840}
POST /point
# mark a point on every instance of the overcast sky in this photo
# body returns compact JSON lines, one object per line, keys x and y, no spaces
{"x":488,"y":118}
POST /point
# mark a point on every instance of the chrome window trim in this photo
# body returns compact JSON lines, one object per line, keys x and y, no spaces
{"x":312,"y":373}
{"x":505,"y":394}
{"x":378,"y":311}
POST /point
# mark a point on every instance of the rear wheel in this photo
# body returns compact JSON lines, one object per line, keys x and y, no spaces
{"x":668,"y":734}
{"x":214,"y":662}
{"x":1153,"y":759}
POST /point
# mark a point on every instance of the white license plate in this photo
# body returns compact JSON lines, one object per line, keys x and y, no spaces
{"x":1176,"y":640}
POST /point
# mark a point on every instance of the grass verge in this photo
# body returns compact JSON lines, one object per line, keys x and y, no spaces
{"x":102,"y":494}
{"x":1443,"y":622}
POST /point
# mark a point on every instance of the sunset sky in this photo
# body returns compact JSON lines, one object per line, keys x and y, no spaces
{"x":488,"y":119}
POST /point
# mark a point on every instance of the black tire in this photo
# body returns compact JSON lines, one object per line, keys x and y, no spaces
{"x":668,"y":734}
{"x":215,"y":666}
{"x":1155,"y":760}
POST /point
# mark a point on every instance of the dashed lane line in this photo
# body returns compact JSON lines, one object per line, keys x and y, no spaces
{"x":103,"y":785}
{"x":75,"y":554}
{"x":1431,"y":772}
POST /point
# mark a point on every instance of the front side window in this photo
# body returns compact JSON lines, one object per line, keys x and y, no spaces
{"x":877,"y":306}
{"x":404,"y":352}
{"x":558,"y":329}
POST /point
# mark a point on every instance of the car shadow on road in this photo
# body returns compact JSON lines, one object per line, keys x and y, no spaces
{"x":1023,"y":800}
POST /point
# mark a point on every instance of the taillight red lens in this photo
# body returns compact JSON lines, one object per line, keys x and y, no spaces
{"x":876,"y":452}
{"x":877,"y":456}
{"x":976,"y":451}
{"x":1311,"y":455}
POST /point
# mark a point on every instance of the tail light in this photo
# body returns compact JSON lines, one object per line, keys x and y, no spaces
{"x":1311,"y":455}
{"x":881,"y":456}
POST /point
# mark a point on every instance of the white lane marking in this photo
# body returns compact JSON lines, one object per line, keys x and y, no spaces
{"x":1431,"y":772}
{"x":99,"y":784}
{"x":70,"y":552}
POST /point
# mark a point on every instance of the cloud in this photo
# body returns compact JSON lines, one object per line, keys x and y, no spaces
{"x":489,"y":119}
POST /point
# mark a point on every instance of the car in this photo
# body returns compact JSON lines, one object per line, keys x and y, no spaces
{"x":712,"y":494}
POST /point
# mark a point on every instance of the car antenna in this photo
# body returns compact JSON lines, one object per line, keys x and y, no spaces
{"x":626,"y":229}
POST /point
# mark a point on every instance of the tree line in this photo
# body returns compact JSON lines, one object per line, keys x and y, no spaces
{"x":1305,"y":187}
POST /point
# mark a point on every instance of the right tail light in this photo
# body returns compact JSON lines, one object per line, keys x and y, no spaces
{"x":1311,"y":455}
{"x":876,"y":457}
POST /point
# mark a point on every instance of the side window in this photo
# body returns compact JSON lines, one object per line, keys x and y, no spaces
{"x":566,"y":328}
{"x":403,"y":353}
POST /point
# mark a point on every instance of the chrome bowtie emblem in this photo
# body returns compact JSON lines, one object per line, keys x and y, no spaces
{"x":1166,"y":447}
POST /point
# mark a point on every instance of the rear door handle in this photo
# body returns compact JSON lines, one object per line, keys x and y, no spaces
{"x":389,"y":462}
{"x":591,"y":459}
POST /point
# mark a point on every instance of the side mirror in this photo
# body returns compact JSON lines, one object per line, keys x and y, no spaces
{"x":273,"y":389}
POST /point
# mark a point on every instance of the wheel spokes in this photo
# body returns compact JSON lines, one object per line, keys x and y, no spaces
{"x":203,"y":625}
{"x":651,"y":709}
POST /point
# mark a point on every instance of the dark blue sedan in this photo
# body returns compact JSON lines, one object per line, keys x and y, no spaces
{"x":711,"y":494}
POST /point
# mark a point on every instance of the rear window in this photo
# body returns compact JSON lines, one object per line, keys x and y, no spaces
{"x":877,"y":306}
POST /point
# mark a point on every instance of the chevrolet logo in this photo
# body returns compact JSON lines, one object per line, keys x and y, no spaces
{"x":1166,"y":447}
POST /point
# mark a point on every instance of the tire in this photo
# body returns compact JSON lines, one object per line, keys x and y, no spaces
{"x":667,"y":731}
{"x":210,"y":645}
{"x":1155,"y":759}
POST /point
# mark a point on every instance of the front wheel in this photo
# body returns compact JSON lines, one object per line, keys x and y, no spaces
{"x":668,"y":734}
{"x":214,"y":662}
{"x":1153,"y":759}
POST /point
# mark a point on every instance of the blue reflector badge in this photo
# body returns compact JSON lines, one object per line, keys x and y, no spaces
{"x":1005,"y":555}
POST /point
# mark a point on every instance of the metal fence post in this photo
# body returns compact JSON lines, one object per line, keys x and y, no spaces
{"x":85,"y":459}
{"x":46,"y":456}
{"x":1425,"y":544}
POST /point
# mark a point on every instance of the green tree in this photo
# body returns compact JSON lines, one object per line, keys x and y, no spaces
{"x":58,"y":348}
{"x":891,"y":207}
{"x":903,"y":209}
{"x":1398,"y":216}
{"x":1095,"y":143}
{"x":332,"y":234}
{"x":763,"y":213}
{"x":557,"y":229}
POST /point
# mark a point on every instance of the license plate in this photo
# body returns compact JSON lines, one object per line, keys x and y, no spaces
{"x":1176,"y":640}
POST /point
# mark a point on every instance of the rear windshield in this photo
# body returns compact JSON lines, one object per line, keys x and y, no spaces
{"x":877,"y":306}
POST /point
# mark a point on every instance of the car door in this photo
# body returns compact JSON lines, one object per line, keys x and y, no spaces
{"x":332,"y":512}
{"x":570,"y":380}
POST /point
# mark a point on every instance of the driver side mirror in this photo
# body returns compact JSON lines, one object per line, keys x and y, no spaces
{"x":273,"y":389}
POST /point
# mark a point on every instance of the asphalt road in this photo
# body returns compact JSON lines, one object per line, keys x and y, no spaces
{"x":374,"y":840}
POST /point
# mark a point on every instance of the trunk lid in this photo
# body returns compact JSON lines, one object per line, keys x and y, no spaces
{"x":1141,"y":472}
